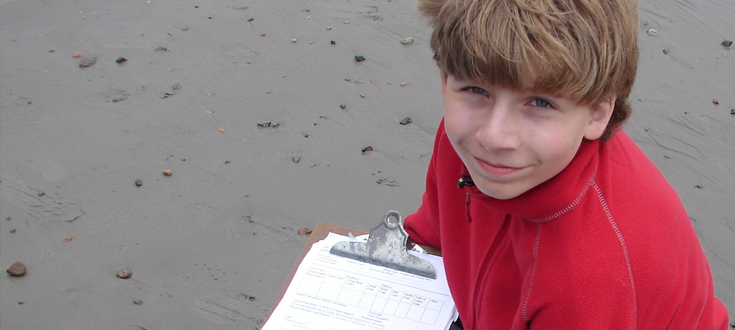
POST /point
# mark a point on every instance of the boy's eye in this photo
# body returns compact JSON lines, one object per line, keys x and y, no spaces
{"x":476,"y":90}
{"x":541,"y":103}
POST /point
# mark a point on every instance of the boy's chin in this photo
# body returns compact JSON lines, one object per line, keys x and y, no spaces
{"x":499,"y":193}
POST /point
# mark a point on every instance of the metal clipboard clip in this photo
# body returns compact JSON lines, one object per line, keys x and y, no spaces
{"x":386,"y":246}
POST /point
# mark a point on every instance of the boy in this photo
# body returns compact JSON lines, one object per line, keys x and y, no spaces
{"x":548,"y":216}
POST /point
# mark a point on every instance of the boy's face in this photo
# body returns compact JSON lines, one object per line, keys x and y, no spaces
{"x":512,"y":141}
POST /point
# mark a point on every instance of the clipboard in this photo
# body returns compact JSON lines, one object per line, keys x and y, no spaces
{"x":378,"y":236}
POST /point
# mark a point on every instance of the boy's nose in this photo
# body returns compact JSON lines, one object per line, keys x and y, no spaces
{"x":499,"y":131}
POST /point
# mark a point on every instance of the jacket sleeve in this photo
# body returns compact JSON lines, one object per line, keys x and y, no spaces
{"x":423,"y":226}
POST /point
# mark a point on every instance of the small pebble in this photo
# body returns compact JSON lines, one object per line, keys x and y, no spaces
{"x":66,"y":239}
{"x":137,"y":302}
{"x":8,"y":218}
{"x":121,"y":60}
{"x":87,"y":62}
{"x":666,"y":51}
{"x":251,"y":19}
{"x":406,"y":121}
{"x":12,"y":230}
{"x":366,"y":149}
{"x":715,"y":101}
{"x":221,"y":130}
{"x":343,"y":106}
{"x":124,"y":274}
{"x":17,"y":269}
{"x":21,"y":302}
{"x":262,"y":34}
{"x":359,"y":58}
{"x":732,"y":111}
{"x":726,"y":43}
{"x":138,"y":182}
{"x":296,"y":159}
{"x":403,"y":83}
{"x":294,"y":40}
{"x":652,"y":32}
{"x":77,"y":55}
{"x":407,"y":41}
{"x":167,"y":172}
{"x":227,"y":162}
{"x":329,"y":27}
{"x":332,"y":42}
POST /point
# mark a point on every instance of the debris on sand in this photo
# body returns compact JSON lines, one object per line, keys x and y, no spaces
{"x":171,"y":92}
{"x":246,"y":296}
{"x":268,"y":123}
{"x":406,"y":121}
{"x":161,"y":49}
{"x":652,"y":32}
{"x":138,"y":182}
{"x":121,"y":98}
{"x":17,"y":269}
{"x":715,"y":101}
{"x":121,"y":60}
{"x":87,"y":62}
{"x":167,"y":172}
{"x":359,"y":58}
{"x":366,"y":149}
{"x":726,"y":43}
{"x":407,"y":41}
{"x":66,"y":239}
{"x":124,"y":274}
{"x":77,"y":55}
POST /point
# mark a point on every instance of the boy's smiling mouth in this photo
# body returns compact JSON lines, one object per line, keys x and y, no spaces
{"x":496,"y":169}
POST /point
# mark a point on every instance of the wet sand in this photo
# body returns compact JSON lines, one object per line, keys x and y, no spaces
{"x":210,"y":245}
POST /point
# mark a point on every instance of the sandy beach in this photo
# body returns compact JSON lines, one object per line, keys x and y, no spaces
{"x":268,"y":124}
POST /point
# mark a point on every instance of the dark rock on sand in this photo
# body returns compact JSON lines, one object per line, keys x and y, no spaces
{"x":17,"y":269}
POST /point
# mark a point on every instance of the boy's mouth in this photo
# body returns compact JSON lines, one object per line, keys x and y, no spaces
{"x":496,"y":169}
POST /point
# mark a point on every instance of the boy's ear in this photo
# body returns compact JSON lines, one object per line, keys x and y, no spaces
{"x":443,"y":77}
{"x":600,"y":118}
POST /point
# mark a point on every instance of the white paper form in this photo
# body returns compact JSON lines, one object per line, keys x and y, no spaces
{"x":330,"y":292}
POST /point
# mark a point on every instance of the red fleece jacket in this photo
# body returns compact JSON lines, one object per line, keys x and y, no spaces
{"x":606,"y":244}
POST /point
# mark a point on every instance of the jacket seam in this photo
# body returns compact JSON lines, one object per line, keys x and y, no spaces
{"x":524,"y":309}
{"x":571,"y":205}
{"x":624,"y":246}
